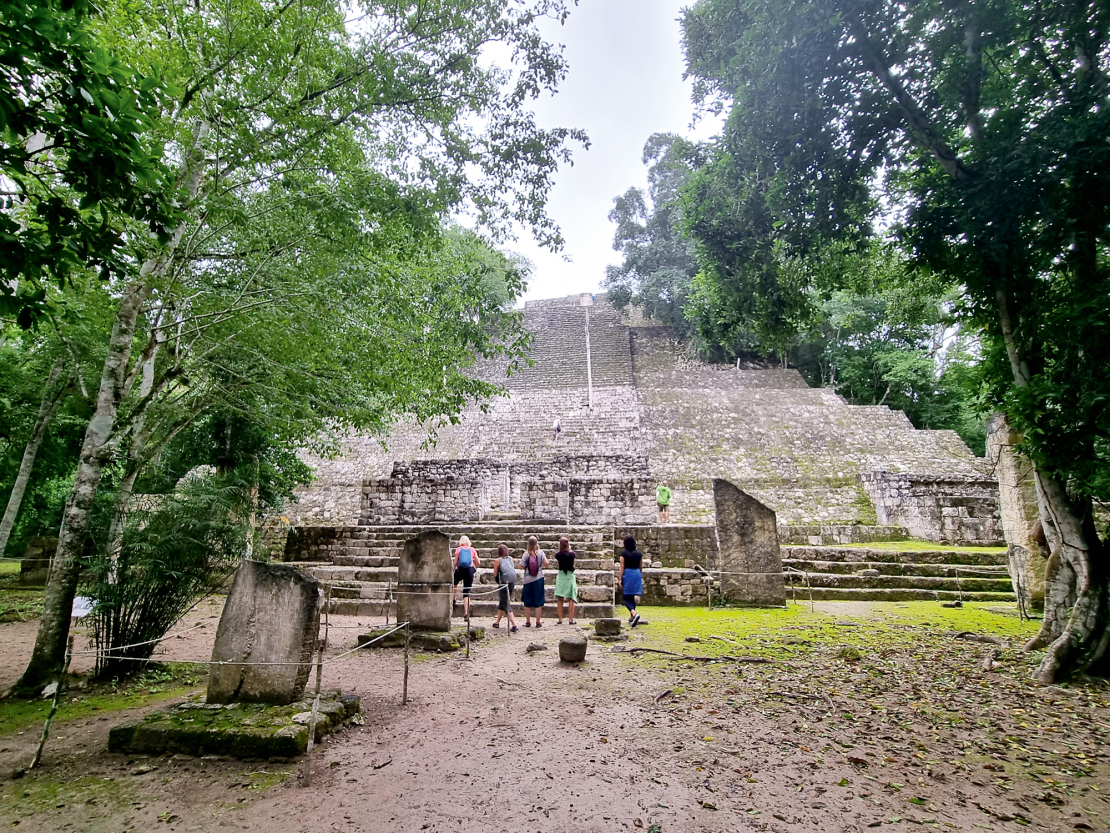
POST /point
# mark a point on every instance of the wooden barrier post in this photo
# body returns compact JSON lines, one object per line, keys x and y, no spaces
{"x":54,"y":704}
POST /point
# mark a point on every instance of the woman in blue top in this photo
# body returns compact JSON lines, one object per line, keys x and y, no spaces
{"x":631,"y":578}
{"x":465,"y":562}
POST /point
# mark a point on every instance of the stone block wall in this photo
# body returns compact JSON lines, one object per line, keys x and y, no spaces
{"x":957,"y":510}
{"x":798,"y":450}
{"x":34,"y":570}
{"x":430,"y":491}
{"x":674,"y":545}
{"x":674,"y":588}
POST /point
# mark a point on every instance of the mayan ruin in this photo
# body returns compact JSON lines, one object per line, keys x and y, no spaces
{"x":554,"y":416}
{"x":636,"y":410}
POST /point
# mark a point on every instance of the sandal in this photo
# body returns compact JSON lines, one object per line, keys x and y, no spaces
{"x":573,"y":622}
{"x":497,"y":624}
{"x":527,"y":624}
{"x":512,"y":629}
{"x":539,"y":624}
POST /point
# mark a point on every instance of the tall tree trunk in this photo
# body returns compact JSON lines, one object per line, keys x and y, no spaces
{"x":1076,"y":626}
{"x":136,"y":456}
{"x":49,"y":651}
{"x":50,"y":644}
{"x":1078,"y":642}
{"x":51,"y":398}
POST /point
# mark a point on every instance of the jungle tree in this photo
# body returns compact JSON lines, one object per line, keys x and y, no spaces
{"x":984,"y":126}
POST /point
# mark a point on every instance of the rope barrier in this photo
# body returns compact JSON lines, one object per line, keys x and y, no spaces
{"x":102,"y":651}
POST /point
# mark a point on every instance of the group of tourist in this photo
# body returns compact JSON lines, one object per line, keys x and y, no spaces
{"x":529,"y":572}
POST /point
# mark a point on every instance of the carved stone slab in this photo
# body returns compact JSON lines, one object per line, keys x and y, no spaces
{"x":424,"y":582}
{"x":271,"y":616}
{"x":748,"y":546}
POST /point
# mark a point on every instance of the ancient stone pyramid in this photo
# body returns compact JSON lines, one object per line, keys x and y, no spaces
{"x":633,"y":404}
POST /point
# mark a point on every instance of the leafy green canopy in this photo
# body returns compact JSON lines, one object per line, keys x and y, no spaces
{"x":984,"y":126}
{"x":75,"y":155}
{"x":659,"y":266}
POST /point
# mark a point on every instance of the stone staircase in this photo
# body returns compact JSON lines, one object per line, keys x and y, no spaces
{"x":872,"y":574}
{"x":359,"y":563}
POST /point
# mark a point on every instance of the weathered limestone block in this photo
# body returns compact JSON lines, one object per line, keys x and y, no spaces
{"x":572,"y":649}
{"x":607,"y":627}
{"x":34,"y":570}
{"x":748,"y":548}
{"x":271,"y":616}
{"x":1017,"y":501}
{"x":594,"y":593}
{"x":424,"y":582}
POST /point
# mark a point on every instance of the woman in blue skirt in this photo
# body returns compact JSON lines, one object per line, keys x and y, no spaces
{"x":531,"y":587}
{"x":631,"y":578}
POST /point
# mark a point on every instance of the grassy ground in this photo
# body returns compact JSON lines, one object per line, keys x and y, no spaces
{"x":84,"y":698}
{"x":796,"y":632}
{"x":903,"y":691}
{"x":17,"y":604}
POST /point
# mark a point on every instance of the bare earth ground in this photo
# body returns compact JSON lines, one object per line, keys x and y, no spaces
{"x":869,"y":716}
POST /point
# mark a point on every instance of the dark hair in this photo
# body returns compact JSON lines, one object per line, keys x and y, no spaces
{"x":564,"y":544}
{"x":502,"y":551}
{"x":630,"y":543}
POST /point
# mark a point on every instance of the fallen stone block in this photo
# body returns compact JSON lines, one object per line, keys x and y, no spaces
{"x":426,"y":641}
{"x":572,"y":649}
{"x":607,"y":627}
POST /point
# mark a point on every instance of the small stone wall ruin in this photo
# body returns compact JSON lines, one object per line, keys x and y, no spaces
{"x":577,"y":489}
{"x":952,"y":509}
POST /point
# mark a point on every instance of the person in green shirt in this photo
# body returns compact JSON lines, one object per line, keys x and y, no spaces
{"x":663,"y":498}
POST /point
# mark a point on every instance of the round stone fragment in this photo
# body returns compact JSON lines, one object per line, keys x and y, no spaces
{"x":572,"y":649}
{"x":607,"y":627}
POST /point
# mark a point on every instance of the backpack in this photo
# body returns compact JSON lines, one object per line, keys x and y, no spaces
{"x":506,"y":570}
{"x":532,"y":565}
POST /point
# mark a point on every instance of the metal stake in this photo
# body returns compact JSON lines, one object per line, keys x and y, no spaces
{"x":405,"y":690}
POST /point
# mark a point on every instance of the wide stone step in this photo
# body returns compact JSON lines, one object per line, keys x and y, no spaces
{"x":582,"y":610}
{"x":892,"y":582}
{"x":891,"y":594}
{"x":586,"y":560}
{"x":478,"y":608}
{"x":908,"y":556}
{"x":887,"y":568}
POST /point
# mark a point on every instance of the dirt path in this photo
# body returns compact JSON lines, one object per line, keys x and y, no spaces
{"x":515,"y":741}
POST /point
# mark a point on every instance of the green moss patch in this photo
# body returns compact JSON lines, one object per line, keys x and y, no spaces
{"x":920,"y":546}
{"x":34,"y":797}
{"x":17,"y":605}
{"x":793,"y":632}
{"x":243,"y":730}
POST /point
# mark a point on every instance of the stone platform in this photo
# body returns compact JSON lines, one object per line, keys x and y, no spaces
{"x":243,"y":730}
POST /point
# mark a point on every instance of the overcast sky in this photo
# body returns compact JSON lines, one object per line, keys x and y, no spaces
{"x":625,"y":83}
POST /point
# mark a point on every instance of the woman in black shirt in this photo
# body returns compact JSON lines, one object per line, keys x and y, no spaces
{"x":631,"y":578}
{"x":566,"y":586}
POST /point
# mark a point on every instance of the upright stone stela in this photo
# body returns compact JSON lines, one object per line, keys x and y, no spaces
{"x":424,"y":582}
{"x":266,"y":637}
{"x":748,"y":549}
